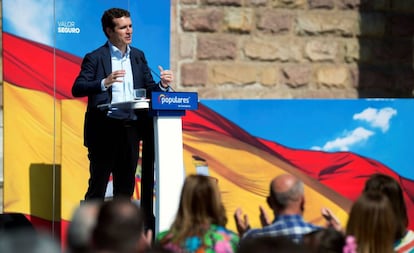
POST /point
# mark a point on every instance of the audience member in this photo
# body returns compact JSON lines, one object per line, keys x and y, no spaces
{"x":27,"y":241}
{"x":120,"y":228}
{"x":80,"y":228}
{"x":15,"y":221}
{"x":286,"y":199}
{"x":404,"y":238}
{"x":372,"y":223}
{"x":270,"y":244}
{"x":199,"y":225}
{"x":326,"y":240}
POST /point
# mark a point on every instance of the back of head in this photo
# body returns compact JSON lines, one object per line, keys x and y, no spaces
{"x":200,"y":205}
{"x":372,"y":222}
{"x":119,"y":226}
{"x":270,"y":244}
{"x":82,"y":223}
{"x":286,"y":194}
{"x":15,"y":221}
{"x":326,"y":240}
{"x":392,"y":189}
{"x":26,"y":241}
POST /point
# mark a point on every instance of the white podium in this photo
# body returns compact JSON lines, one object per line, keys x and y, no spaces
{"x":166,"y":109}
{"x":169,"y":168}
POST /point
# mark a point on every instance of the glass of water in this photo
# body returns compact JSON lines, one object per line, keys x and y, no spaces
{"x":140,"y":94}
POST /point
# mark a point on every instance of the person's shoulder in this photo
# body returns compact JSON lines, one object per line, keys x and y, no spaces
{"x":409,"y":235}
{"x":300,"y":222}
{"x":405,"y":244}
{"x":255,"y":232}
{"x":259,"y":232}
{"x":294,"y":219}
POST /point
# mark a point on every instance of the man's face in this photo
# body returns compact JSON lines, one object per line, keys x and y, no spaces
{"x":122,"y":33}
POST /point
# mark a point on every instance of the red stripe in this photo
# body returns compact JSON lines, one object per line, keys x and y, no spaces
{"x":35,"y":66}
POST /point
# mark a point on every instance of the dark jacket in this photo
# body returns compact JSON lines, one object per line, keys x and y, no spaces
{"x":96,"y":66}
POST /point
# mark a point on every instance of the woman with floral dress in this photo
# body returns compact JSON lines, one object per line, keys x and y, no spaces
{"x":199,"y":225}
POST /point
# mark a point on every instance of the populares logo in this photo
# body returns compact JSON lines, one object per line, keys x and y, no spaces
{"x":67,"y":27}
{"x":165,"y":99}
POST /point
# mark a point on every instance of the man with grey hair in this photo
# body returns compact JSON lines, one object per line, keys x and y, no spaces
{"x":80,"y":229}
{"x":286,"y":199}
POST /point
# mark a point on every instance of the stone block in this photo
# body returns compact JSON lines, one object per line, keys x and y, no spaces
{"x":321,"y":4}
{"x":300,"y":4}
{"x":282,"y":50}
{"x":194,"y":74}
{"x":269,"y":76}
{"x":201,"y":20}
{"x":232,"y":73}
{"x":276,"y":22}
{"x":345,"y":24}
{"x":297,"y":75}
{"x":352,"y":50}
{"x":186,"y":46}
{"x":333,"y":76}
{"x":321,"y":50}
{"x":256,"y":2}
{"x":218,"y":47}
{"x":239,"y":20}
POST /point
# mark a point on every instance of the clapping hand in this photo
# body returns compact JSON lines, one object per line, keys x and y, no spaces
{"x":264,"y":217}
{"x":331,"y":220}
{"x":242,"y":222}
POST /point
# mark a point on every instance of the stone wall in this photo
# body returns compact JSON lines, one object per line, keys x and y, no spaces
{"x":293,"y":48}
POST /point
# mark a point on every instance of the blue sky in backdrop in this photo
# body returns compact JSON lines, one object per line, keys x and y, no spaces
{"x":35,"y":20}
{"x":379,"y":129}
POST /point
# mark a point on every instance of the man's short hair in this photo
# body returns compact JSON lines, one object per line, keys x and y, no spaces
{"x":119,"y":226}
{"x":109,"y":15}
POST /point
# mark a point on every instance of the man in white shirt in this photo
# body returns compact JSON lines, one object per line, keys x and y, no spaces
{"x":110,"y":74}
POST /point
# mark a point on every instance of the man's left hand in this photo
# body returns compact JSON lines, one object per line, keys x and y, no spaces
{"x":264,"y":217}
{"x":166,"y":76}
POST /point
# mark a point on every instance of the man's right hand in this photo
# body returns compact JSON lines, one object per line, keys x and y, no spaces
{"x":242,"y":222}
{"x":116,"y":76}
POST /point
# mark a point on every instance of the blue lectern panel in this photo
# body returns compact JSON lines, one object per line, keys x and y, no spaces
{"x":174,"y":101}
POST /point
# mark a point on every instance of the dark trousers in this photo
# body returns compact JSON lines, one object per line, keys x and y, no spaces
{"x":116,"y":154}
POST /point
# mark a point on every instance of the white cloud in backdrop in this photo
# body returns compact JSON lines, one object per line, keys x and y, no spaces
{"x":376,"y":118}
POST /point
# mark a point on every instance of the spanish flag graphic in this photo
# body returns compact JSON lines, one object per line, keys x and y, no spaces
{"x":46,"y":167}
